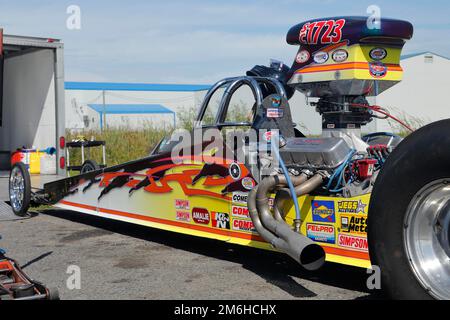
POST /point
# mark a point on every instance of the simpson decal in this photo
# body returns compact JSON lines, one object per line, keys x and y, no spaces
{"x":182,"y":204}
{"x":353,"y":243}
{"x":183,"y":216}
{"x":351,"y":207}
{"x":323,"y":211}
{"x":220,"y":220}
{"x":243,"y":225}
{"x":200,"y":216}
{"x":240,"y":212}
{"x":320,"y":233}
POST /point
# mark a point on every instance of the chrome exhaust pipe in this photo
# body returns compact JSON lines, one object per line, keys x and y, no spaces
{"x":302,"y":249}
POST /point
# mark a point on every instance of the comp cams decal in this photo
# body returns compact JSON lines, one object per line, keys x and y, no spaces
{"x":320,"y":233}
{"x":243,"y":225}
{"x":323,"y":211}
{"x":240,"y":198}
{"x":240,"y":212}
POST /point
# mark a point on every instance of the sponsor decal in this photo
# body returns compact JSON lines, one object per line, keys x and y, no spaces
{"x":353,"y":242}
{"x":248,"y":183}
{"x":324,"y":32}
{"x":240,"y":212}
{"x":183,"y":216}
{"x":271,"y":201}
{"x":323,"y":211}
{"x":243,"y":225}
{"x":303,"y":56}
{"x":377,"y":69}
{"x":351,"y":207}
{"x":235,"y":171}
{"x":182,"y":204}
{"x":340,"y":55}
{"x":200,"y":215}
{"x":320,"y":233}
{"x":220,"y":220}
{"x":276,"y":101}
{"x":321,"y":57}
{"x":274,"y":113}
{"x":240,"y":197}
{"x":354,"y":224}
{"x":378,"y":54}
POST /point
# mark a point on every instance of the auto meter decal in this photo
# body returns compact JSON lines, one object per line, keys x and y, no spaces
{"x":240,"y":212}
{"x":354,"y":224}
{"x":353,"y":242}
{"x":243,"y":225}
{"x":340,"y":55}
{"x":303,"y":56}
{"x":323,"y":32}
{"x":235,"y":171}
{"x":378,"y":54}
{"x":320,"y":233}
{"x":377,"y":69}
{"x":321,"y":57}
{"x":220,"y":220}
{"x":200,"y":216}
{"x":323,"y":211}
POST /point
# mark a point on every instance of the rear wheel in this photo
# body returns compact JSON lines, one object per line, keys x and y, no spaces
{"x":409,"y":228}
{"x":19,"y":189}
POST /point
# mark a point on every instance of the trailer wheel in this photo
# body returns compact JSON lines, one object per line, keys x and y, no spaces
{"x":88,"y":166}
{"x":19,"y":189}
{"x":409,"y":216}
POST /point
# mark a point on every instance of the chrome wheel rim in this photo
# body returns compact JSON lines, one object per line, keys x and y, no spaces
{"x":427,"y":238}
{"x":16,"y":189}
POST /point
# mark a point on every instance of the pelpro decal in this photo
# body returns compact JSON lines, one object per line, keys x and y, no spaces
{"x":243,"y":225}
{"x":323,"y":211}
{"x":240,"y":212}
{"x":220,"y":220}
{"x":320,"y":233}
{"x":200,"y":215}
{"x":353,"y":242}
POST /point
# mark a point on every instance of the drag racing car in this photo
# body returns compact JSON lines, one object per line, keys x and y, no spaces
{"x":256,"y":180}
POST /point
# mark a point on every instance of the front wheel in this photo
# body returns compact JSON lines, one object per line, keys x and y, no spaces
{"x":19,"y":189}
{"x":409,"y":228}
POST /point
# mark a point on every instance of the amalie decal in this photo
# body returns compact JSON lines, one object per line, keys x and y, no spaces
{"x":200,"y":215}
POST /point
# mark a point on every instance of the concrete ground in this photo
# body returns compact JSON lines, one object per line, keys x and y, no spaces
{"x":123,"y":261}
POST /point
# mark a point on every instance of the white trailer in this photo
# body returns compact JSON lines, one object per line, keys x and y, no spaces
{"x":32,"y":112}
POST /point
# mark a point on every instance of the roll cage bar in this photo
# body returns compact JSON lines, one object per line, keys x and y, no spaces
{"x":232,"y":85}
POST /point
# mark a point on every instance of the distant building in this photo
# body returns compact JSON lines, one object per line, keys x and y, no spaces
{"x":418,"y":99}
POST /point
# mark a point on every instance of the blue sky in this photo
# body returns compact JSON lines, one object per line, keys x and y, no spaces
{"x":197,"y":41}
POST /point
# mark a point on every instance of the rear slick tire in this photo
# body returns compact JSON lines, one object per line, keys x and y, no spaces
{"x":409,"y":215}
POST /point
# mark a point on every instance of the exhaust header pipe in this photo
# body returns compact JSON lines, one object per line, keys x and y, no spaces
{"x":302,"y":249}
